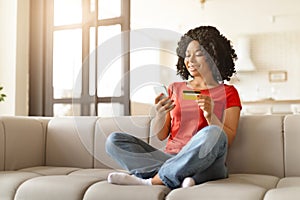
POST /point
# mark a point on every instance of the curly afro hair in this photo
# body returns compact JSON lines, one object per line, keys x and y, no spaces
{"x":216,"y":48}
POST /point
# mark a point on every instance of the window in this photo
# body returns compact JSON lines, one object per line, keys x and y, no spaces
{"x":79,"y":75}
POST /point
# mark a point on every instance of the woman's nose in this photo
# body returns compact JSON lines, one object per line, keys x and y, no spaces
{"x":191,"y":58}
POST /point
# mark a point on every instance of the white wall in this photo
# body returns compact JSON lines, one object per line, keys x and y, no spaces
{"x":273,"y":28}
{"x":22,"y":61}
{"x":272,"y":52}
{"x":14,"y":40}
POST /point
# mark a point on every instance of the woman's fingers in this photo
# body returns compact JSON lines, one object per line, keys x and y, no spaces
{"x":164,"y":104}
{"x":159,"y":97}
{"x":168,"y":105}
{"x":205,"y":103}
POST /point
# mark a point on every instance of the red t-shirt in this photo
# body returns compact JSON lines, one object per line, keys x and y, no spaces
{"x":187,"y":118}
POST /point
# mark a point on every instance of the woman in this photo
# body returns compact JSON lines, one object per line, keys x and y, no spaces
{"x":199,"y":131}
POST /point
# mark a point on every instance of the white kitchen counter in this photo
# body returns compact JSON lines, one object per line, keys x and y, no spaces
{"x":271,"y":106}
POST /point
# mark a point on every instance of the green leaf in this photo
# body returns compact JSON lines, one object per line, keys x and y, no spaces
{"x":2,"y":95}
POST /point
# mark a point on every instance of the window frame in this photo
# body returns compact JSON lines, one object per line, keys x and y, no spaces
{"x":42,"y":101}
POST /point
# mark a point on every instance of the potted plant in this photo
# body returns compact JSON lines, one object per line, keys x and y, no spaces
{"x":2,"y":96}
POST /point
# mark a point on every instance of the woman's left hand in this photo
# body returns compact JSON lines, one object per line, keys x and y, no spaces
{"x":206,"y":104}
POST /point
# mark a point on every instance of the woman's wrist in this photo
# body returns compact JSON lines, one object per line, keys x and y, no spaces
{"x":212,"y":119}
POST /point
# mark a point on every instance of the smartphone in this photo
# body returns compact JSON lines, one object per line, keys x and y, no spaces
{"x":190,"y":94}
{"x":161,"y":89}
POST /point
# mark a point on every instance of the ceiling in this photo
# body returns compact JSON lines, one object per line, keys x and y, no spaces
{"x":231,"y":17}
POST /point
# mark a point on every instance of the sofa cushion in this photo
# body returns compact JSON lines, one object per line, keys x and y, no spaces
{"x":236,"y":187}
{"x":48,"y":170}
{"x":56,"y":177}
{"x":104,"y":190}
{"x":137,"y":126}
{"x":55,"y":188}
{"x":100,"y":174}
{"x":287,"y":189}
{"x":289,"y":182}
{"x":11,"y":180}
{"x":291,"y":144}
{"x":70,"y":142}
{"x":24,"y":142}
{"x":290,"y":193}
{"x":257,"y":146}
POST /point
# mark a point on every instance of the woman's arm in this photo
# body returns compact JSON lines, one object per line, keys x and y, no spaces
{"x":230,"y":119}
{"x":161,"y":127}
{"x":229,"y":123}
{"x":161,"y":123}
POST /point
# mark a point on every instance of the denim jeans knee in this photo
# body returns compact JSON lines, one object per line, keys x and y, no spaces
{"x":111,"y":142}
{"x":200,"y":153}
{"x":135,"y":155}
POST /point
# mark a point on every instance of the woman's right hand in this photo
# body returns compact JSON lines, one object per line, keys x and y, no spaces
{"x":162,"y":121}
{"x":163,"y":105}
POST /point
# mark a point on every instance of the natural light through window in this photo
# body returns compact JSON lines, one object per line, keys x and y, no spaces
{"x":80,"y":65}
{"x":66,"y":62}
{"x":112,"y":8}
{"x":67,"y":12}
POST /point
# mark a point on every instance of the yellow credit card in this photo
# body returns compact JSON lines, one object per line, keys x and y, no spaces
{"x":190,"y":94}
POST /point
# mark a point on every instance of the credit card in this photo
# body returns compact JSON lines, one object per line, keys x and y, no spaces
{"x":190,"y":94}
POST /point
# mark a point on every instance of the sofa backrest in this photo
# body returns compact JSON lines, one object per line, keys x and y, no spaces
{"x":258,"y":146}
{"x":70,"y":142}
{"x":262,"y":144}
{"x":134,"y":125}
{"x":292,"y":145}
{"x":22,"y":142}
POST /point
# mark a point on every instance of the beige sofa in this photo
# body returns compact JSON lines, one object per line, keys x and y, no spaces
{"x":64,"y":158}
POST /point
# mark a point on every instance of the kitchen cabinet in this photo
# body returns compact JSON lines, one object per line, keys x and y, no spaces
{"x":270,"y":106}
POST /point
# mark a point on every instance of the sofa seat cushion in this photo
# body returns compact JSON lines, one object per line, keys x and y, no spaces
{"x":107,"y":191}
{"x":60,"y":182}
{"x":49,"y":170}
{"x":60,"y":187}
{"x":104,"y":190}
{"x":287,"y":188}
{"x":289,"y":193}
{"x":264,"y":181}
{"x":236,"y":187}
{"x":100,"y":174}
{"x":11,"y":180}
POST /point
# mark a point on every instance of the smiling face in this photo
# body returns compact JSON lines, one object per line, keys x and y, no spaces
{"x":196,"y":62}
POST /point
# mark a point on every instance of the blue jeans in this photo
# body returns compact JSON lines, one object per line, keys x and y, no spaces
{"x":202,"y":158}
